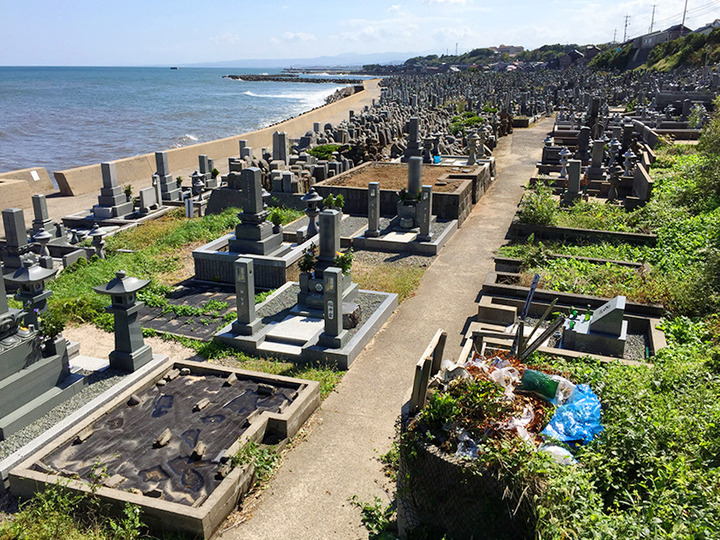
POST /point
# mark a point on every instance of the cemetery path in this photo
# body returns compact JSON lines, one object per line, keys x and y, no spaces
{"x":309,"y":496}
{"x":334,"y":113}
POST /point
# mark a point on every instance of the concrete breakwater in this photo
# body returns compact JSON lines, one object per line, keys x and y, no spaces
{"x":293,"y":79}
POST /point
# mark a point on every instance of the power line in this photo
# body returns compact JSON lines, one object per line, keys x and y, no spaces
{"x":627,"y":18}
{"x":652,"y":20}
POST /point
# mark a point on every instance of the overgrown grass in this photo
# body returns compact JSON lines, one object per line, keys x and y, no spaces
{"x":399,"y":279}
{"x":607,"y":280}
{"x":58,"y":513}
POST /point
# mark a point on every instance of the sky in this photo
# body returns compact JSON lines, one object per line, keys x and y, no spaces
{"x":179,"y":32}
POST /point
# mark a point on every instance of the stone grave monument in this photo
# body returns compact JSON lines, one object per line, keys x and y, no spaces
{"x":168,"y":186}
{"x":112,"y":202}
{"x":605,"y":332}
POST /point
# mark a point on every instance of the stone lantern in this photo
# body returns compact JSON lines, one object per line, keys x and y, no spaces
{"x":548,"y":141}
{"x":130,"y":350}
{"x":30,"y":280}
{"x":96,"y":236}
{"x":313,"y":200}
{"x":629,"y":161}
{"x":42,"y":237}
{"x":198,"y":184}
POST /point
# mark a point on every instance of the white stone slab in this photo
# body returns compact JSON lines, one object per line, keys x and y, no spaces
{"x":273,"y":347}
{"x":400,"y":236}
{"x":89,"y":363}
{"x":296,"y":328}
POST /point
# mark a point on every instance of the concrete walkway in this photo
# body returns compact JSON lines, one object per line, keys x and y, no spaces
{"x":308,"y":497}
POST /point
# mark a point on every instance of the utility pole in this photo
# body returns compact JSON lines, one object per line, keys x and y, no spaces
{"x":456,"y":48}
{"x":627,"y":18}
{"x":652,"y":20}
{"x":615,"y":36}
{"x":682,"y":24}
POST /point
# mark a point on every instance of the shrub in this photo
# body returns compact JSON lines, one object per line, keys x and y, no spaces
{"x":538,"y":206}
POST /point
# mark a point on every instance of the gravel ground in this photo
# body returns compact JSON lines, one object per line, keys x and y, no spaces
{"x":98,"y":382}
{"x":349,"y":225}
{"x":394,"y":259}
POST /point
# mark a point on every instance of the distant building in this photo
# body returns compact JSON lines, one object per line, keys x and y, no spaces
{"x":510,"y":50}
{"x":708,"y":27}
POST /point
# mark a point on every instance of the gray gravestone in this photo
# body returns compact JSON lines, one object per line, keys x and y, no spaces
{"x":573,"y":183}
{"x":14,"y":224}
{"x":334,"y":336}
{"x":423,"y":214}
{"x":373,"y":229}
{"x":247,"y":323}
{"x":168,"y":186}
{"x":414,"y":176}
{"x":280,"y":149}
{"x":112,"y":201}
{"x":42,"y":217}
{"x":608,"y":318}
{"x":329,"y":235}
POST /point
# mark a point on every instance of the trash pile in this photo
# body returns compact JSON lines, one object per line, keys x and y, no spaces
{"x":499,"y":398}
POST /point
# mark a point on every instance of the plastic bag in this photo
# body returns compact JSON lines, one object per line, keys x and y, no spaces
{"x":506,"y":378}
{"x":519,"y":424}
{"x":578,"y":419}
{"x":553,"y":388}
{"x":558,"y":454}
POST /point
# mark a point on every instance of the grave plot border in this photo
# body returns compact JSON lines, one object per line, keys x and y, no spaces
{"x":446,"y":205}
{"x":158,"y":514}
{"x":520,"y":231}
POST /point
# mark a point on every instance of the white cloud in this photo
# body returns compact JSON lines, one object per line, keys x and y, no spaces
{"x":394,"y":8}
{"x":299,"y":36}
{"x":458,"y":2}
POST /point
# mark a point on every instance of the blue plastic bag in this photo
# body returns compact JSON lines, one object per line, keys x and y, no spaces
{"x":578,"y":419}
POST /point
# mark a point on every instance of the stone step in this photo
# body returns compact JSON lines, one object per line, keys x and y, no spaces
{"x":41,"y":405}
{"x":274,"y":347}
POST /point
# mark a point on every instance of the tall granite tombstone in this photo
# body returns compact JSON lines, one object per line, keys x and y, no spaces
{"x":42,"y":217}
{"x":412,"y":209}
{"x":168,"y":185}
{"x":205,"y":168}
{"x":254,"y":234}
{"x":373,"y":229}
{"x":572,"y":193}
{"x":16,"y":239}
{"x":312,"y":284}
{"x":247,"y":323}
{"x":596,"y":170}
{"x":112,"y":201}
{"x":280,"y":147}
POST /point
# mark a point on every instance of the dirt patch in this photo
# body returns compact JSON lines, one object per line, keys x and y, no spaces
{"x":395,"y":177}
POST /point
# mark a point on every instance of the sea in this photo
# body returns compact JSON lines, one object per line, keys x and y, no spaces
{"x":64,"y":117}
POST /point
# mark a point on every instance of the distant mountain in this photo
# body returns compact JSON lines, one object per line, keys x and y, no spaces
{"x":341,"y":60}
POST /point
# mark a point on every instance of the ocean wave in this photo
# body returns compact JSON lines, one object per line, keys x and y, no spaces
{"x":310,"y":99}
{"x":185,"y":140}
